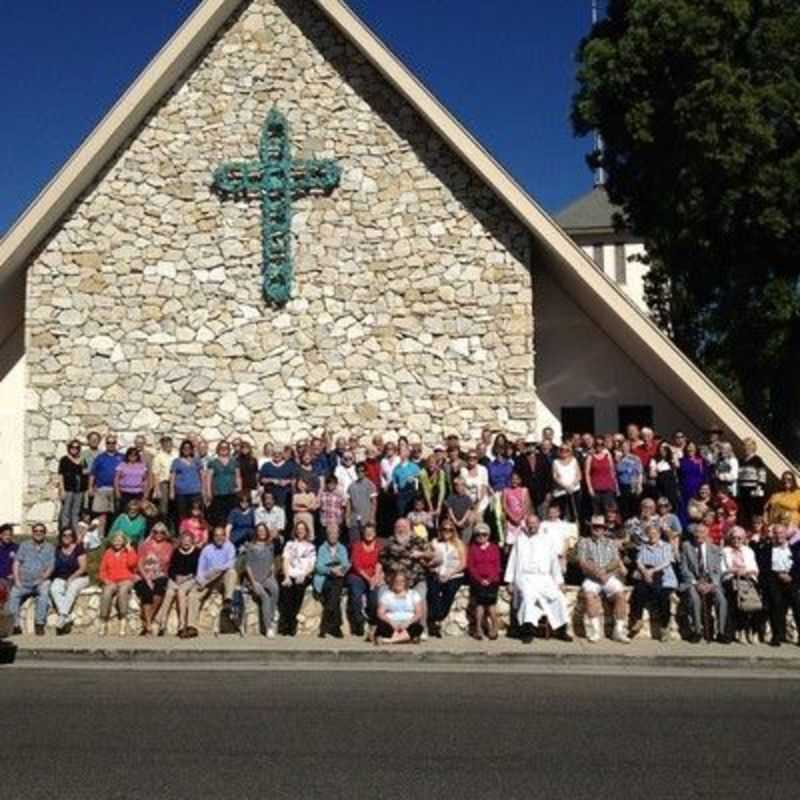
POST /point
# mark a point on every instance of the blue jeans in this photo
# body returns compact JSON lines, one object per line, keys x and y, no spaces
{"x":41,"y":591}
{"x":359,"y":596}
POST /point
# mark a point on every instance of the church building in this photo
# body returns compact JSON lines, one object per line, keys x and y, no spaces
{"x":278,"y":230}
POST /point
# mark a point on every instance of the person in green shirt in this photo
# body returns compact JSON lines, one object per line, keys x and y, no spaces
{"x":133,"y":524}
{"x":222,"y":483}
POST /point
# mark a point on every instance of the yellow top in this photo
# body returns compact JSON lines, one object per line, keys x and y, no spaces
{"x":782,"y":504}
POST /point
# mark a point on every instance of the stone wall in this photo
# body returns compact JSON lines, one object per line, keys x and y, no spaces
{"x":412,"y":304}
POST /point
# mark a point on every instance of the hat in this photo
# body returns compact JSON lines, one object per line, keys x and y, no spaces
{"x":482,"y":527}
{"x":598,"y":521}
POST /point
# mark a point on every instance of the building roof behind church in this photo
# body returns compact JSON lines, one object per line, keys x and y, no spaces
{"x":591,"y":212}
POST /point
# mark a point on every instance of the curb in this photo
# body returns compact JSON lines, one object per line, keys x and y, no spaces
{"x":418,"y":657}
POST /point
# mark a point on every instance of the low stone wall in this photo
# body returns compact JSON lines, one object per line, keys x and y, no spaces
{"x":88,"y":604}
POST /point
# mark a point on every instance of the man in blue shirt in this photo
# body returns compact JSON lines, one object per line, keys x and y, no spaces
{"x":33,"y":565}
{"x":101,"y":480}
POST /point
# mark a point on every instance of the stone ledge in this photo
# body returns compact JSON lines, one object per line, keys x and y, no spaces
{"x":87,"y":606}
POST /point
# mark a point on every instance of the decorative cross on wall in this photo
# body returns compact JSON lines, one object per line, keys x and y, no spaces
{"x":278,"y":179}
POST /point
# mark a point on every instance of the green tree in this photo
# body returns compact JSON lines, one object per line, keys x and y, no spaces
{"x":698,"y":105}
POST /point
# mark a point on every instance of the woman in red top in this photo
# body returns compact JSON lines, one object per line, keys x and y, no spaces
{"x":601,"y":478}
{"x":117,"y":574}
{"x":484,"y":570}
{"x":363,"y":580}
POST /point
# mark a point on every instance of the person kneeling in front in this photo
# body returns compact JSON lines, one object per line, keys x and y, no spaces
{"x":598,"y":558}
{"x":216,"y":571}
{"x":400,"y":613}
{"x":533,"y":574}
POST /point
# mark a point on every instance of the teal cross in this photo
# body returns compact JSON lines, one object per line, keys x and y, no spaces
{"x":277,"y":179}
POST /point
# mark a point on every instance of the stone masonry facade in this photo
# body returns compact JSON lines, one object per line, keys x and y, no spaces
{"x":412,"y":301}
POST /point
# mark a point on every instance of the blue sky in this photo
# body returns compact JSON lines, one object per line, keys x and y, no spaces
{"x":504,"y":68}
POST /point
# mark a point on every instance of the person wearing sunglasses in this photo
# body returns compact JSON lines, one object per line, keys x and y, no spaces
{"x":73,"y":482}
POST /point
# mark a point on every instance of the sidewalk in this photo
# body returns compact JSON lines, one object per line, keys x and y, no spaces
{"x":448,"y":651}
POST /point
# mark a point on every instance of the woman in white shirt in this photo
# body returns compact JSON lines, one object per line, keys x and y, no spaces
{"x":727,"y":468}
{"x":567,"y":483}
{"x":446,"y":577}
{"x":389,"y":461}
{"x":476,"y":478}
{"x":399,"y":613}
{"x":739,"y":567}
{"x":299,"y":560}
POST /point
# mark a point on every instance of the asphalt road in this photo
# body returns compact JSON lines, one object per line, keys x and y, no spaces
{"x":148,"y":734}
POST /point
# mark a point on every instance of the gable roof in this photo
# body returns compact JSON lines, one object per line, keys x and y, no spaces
{"x":553,"y":249}
{"x":590,"y":213}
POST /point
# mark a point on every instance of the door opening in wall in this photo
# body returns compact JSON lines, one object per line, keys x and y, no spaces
{"x":635,"y":415}
{"x":577,"y":419}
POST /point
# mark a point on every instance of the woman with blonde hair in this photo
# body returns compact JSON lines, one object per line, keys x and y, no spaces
{"x":783,"y":507}
{"x":446,"y":576}
{"x":304,"y":504}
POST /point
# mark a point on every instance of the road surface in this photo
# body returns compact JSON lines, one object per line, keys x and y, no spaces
{"x":163,"y":734}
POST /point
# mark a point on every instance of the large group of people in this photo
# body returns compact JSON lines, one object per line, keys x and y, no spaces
{"x":631,"y":518}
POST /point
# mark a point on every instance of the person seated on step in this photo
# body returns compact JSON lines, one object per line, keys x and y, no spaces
{"x":117,"y":574}
{"x":410,"y":554}
{"x":363,"y":581}
{"x":69,"y":578}
{"x":155,"y":553}
{"x":654,"y":580}
{"x":259,"y":575}
{"x":598,"y":558}
{"x":400,"y":612}
{"x":701,"y":574}
{"x":297,"y":563}
{"x":33,"y":565}
{"x":181,"y":573}
{"x":446,"y":575}
{"x":331,"y":566}
{"x":739,"y":576}
{"x":216,"y":572}
{"x":484,"y":571}
{"x":534,"y":576}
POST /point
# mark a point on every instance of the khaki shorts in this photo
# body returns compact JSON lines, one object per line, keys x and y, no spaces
{"x":103,"y":502}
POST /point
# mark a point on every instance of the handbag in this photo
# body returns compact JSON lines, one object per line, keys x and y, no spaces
{"x":748,"y":599}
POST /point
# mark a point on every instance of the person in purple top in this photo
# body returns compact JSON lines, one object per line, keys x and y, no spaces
{"x":8,"y":550}
{"x":692,"y":474}
{"x":130,"y":478}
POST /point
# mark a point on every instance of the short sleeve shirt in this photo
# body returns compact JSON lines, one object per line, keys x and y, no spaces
{"x":187,"y":476}
{"x":223,"y":476}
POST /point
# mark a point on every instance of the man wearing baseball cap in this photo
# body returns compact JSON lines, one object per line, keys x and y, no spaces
{"x":598,"y":558}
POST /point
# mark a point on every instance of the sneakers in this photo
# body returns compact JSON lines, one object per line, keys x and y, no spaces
{"x":38,"y":630}
{"x":270,"y":633}
{"x":619,"y":634}
{"x":593,"y":627}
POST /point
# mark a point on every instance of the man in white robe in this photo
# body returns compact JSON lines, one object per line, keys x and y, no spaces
{"x":534,"y":575}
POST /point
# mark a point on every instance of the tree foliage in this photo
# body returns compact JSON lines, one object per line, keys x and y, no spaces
{"x":698,"y":105}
